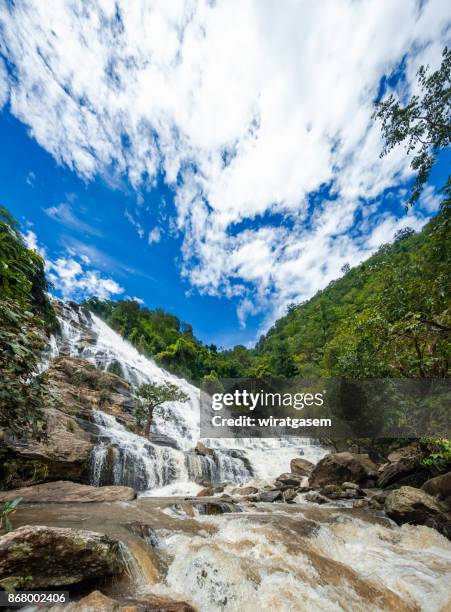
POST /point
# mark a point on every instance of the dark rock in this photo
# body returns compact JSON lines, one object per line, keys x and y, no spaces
{"x":270,"y":496}
{"x":403,"y":468}
{"x":53,"y":556}
{"x":163,"y":440}
{"x":301,"y":466}
{"x":337,"y":468}
{"x":440,"y":487}
{"x":289,"y":479}
{"x":411,"y":505}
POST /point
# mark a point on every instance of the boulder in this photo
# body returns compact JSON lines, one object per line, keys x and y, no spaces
{"x":201,"y":449}
{"x":411,"y":505}
{"x":292,"y":480}
{"x":337,"y":468}
{"x":270,"y":496}
{"x":301,"y":466}
{"x":54,"y":556}
{"x":403,"y":468}
{"x":289,"y":495}
{"x":245,"y":490}
{"x":64,"y":491}
{"x":316,"y":498}
{"x":98,"y":602}
{"x":206,"y":492}
{"x":440,"y":487}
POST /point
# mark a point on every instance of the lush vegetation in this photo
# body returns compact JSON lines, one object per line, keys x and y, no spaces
{"x":27,"y":318}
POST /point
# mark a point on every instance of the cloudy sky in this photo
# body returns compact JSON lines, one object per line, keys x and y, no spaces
{"x":215,"y":158}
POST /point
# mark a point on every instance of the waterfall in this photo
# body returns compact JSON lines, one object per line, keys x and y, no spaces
{"x":122,"y":457}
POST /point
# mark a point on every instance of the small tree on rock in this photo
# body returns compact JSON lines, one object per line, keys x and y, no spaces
{"x":150,"y":396}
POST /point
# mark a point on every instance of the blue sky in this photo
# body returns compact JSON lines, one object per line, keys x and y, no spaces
{"x":216,"y":159}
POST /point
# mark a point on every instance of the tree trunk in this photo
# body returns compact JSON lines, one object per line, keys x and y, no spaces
{"x":148,"y":422}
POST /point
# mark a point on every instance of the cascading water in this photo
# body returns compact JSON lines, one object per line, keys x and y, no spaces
{"x":122,"y":457}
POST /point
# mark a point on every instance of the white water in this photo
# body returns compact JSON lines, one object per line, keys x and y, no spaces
{"x":347,"y":565}
{"x":122,"y":457}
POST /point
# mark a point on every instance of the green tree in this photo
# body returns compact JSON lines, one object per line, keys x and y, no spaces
{"x":152,"y":395}
{"x":23,"y":390}
{"x":423,"y":124}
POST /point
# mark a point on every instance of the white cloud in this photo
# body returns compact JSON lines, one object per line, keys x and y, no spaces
{"x":154,"y":236}
{"x":246,"y":108}
{"x":135,"y":223}
{"x":430,"y":200}
{"x":64,"y":214}
{"x":71,"y":275}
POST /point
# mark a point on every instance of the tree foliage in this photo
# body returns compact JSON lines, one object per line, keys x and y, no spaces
{"x":423,"y":124}
{"x":152,"y":395}
{"x":26,"y":317}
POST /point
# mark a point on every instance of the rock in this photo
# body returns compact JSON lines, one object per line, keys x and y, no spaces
{"x":206,"y":492}
{"x":301,"y":466}
{"x":54,"y":556}
{"x":351,"y":485}
{"x":332,"y":491}
{"x":219,"y":507}
{"x":289,"y":495}
{"x":289,"y":479}
{"x":337,"y":468}
{"x":440,"y":487}
{"x":361,"y":503}
{"x":64,"y":491}
{"x":403,"y":468}
{"x":245,"y":490}
{"x":201,"y":449}
{"x":270,"y":496}
{"x":411,"y":505}
{"x":98,"y":602}
{"x":316,"y":498}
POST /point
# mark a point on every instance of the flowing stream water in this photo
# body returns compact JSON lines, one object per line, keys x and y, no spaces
{"x":287,"y":558}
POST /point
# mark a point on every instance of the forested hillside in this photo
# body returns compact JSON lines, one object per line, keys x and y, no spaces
{"x":389,"y":316}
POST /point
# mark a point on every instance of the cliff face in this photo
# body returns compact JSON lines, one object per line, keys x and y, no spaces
{"x":78,"y":388}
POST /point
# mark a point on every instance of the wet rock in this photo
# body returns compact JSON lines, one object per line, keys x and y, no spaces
{"x":206,"y":492}
{"x":270,"y":496}
{"x":245,"y":490}
{"x":316,"y":498}
{"x":289,"y":479}
{"x":54,"y":556}
{"x":341,"y":492}
{"x":301,"y":466}
{"x":98,"y":602}
{"x":203,"y":450}
{"x":64,"y":491}
{"x":411,"y":505}
{"x":337,"y":468}
{"x":403,"y":468}
{"x":289,"y":495}
{"x":440,"y":487}
{"x":218,"y":507}
{"x":163,"y":440}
